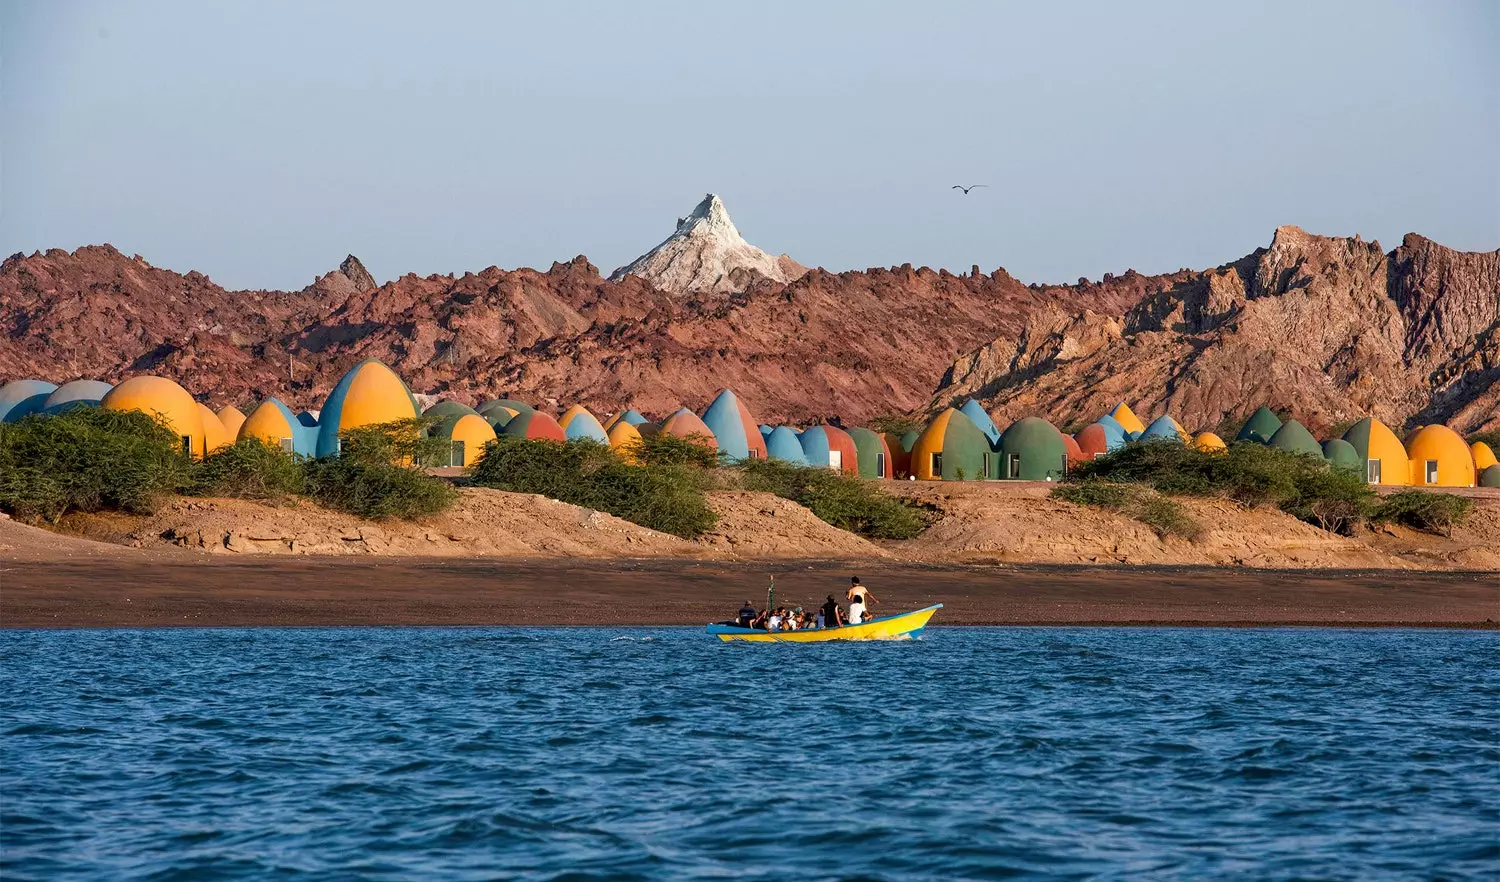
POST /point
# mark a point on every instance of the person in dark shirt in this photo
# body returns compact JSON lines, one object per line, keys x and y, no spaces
{"x":833,"y":614}
{"x":747,"y":614}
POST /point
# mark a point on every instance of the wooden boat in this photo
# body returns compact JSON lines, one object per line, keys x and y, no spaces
{"x":898,"y":627}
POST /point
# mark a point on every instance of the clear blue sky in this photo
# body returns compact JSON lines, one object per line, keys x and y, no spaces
{"x":259,"y":142}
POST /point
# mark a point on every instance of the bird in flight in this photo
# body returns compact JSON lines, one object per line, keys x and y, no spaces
{"x":968,"y":188}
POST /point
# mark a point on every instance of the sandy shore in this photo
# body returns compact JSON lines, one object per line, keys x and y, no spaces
{"x":134,"y":590}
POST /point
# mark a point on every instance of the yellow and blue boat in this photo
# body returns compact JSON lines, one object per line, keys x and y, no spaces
{"x":905,"y":626}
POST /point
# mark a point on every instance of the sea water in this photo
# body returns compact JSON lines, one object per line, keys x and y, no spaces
{"x":595,"y":753}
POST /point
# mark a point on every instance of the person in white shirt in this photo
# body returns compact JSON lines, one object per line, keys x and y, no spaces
{"x":774,"y":622}
{"x":856,"y":611}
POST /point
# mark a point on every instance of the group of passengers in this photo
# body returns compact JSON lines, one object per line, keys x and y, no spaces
{"x":829,"y":615}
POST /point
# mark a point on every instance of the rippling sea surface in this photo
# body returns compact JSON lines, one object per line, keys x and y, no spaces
{"x":469,"y":753}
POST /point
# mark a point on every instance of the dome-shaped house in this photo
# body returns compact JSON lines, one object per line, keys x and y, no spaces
{"x":625,"y":440}
{"x":734,"y":428}
{"x":1097,"y":439}
{"x":214,"y":433}
{"x":368,"y":395}
{"x":77,"y":393}
{"x":1259,"y":427}
{"x":1075,"y":453}
{"x":1341,"y":455}
{"x":900,"y":445}
{"x":444,"y":409}
{"x":1129,"y":422}
{"x":20,"y":398}
{"x":687,"y":425}
{"x":981,"y":418}
{"x":1293,"y":437}
{"x":952,"y":448}
{"x":1490,"y":477}
{"x":829,"y":447}
{"x":533,"y":425}
{"x":467,"y":435}
{"x":166,"y":400}
{"x":578,"y":424}
{"x":1384,"y":457}
{"x":1484,"y":457}
{"x":1164,"y":428}
{"x":784,"y":445}
{"x":1208,"y":442}
{"x":629,"y":415}
{"x":274,"y":423}
{"x":231,"y":418}
{"x":873,"y":453}
{"x":1032,"y":449}
{"x":1439,"y":457}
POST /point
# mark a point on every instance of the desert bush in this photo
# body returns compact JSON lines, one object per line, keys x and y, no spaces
{"x":845,"y":501}
{"x":1336,"y":500}
{"x":249,"y":469}
{"x":1165,"y":516}
{"x":660,"y":449}
{"x":375,"y":475}
{"x":663,"y":496}
{"x":1430,"y":512}
{"x":88,"y":459}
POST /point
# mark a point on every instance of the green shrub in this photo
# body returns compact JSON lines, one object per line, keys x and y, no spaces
{"x":1166,"y":517}
{"x":1337,"y":500}
{"x":1490,"y":438}
{"x":88,"y":459}
{"x":895,"y":424}
{"x":249,"y":469}
{"x":375,"y":475}
{"x":845,"y":501}
{"x":666,"y":497}
{"x":1430,"y":512}
{"x":660,"y":449}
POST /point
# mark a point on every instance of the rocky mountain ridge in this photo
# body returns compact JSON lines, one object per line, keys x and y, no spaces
{"x":1325,"y":327}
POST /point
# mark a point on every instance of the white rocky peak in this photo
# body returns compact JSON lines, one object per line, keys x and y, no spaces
{"x":702,"y":254}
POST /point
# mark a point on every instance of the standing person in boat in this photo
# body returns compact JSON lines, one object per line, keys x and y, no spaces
{"x":833,"y":614}
{"x":860,"y":593}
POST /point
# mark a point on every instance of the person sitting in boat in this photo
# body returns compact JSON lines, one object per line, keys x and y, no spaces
{"x":860,"y":593}
{"x":857,"y":614}
{"x":747,"y":615}
{"x":833,"y":614}
{"x":778,"y":616}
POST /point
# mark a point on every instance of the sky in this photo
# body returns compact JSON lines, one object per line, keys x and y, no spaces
{"x":260,"y":142}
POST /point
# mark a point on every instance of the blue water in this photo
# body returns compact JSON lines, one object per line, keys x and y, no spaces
{"x":603,"y":753}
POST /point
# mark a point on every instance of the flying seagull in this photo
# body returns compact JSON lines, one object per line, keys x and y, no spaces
{"x":968,"y":188}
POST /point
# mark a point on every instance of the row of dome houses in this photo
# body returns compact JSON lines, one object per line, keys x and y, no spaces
{"x":959,"y":444}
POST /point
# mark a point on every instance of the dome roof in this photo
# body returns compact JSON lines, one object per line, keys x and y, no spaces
{"x":232,"y":418}
{"x":577,"y":423}
{"x":981,"y":418}
{"x":782,"y":444}
{"x":1163,"y":428}
{"x":686,"y":424}
{"x":1032,"y":449}
{"x":1208,"y":442}
{"x":625,"y":439}
{"x":954,"y":444}
{"x":534,"y":426}
{"x":472,"y":429}
{"x":827,"y":446}
{"x":1484,"y":457}
{"x":1342,"y":455}
{"x":1293,"y":437}
{"x":444,"y":409}
{"x":21,"y":397}
{"x":273,"y":422}
{"x":1127,"y":419}
{"x":509,"y":404}
{"x":75,"y":394}
{"x":368,"y":395}
{"x":1373,"y":440}
{"x":214,"y":433}
{"x":1490,"y":477}
{"x":165,"y":399}
{"x":874,"y":454}
{"x":734,"y":428}
{"x":1260,"y":427}
{"x":1440,"y":444}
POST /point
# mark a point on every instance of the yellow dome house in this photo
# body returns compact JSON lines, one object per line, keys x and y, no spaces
{"x":1440,"y":458}
{"x":232,"y":418}
{"x":625,"y":439}
{"x":1127,"y":418}
{"x":1208,"y":442}
{"x":1484,"y":457}
{"x":167,"y":401}
{"x":214,"y":433}
{"x":1384,"y":457}
{"x":370,"y":394}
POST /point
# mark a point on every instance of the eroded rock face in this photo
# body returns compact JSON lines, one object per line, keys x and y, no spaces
{"x":1328,"y":328}
{"x":706,"y":253}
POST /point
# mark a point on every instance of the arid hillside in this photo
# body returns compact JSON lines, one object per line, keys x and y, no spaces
{"x":1327,"y":328}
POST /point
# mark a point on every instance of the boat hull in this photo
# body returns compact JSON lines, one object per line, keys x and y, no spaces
{"x":905,"y":626}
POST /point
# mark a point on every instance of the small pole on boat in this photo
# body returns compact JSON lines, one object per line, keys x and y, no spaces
{"x":771,"y":597}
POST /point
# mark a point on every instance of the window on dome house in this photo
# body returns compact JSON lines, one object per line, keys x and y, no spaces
{"x":456,"y":455}
{"x":286,"y":445}
{"x":1372,"y":471}
{"x":937,"y":465}
{"x":187,"y":445}
{"x":1013,"y":466}
{"x":985,"y":465}
{"x":1432,"y":471}
{"x":836,"y":460}
{"x":880,"y":465}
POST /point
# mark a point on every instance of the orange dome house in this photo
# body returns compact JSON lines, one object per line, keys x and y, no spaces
{"x":214,"y":433}
{"x":1484,"y":457}
{"x":952,"y":448}
{"x":625,"y":440}
{"x":370,"y":394}
{"x":1075,"y":453}
{"x":1384,"y":457}
{"x":1440,"y":458}
{"x":273,"y":423}
{"x":467,"y":435}
{"x":1208,"y":442}
{"x":1126,"y":417}
{"x":232,"y":418}
{"x":165,"y":400}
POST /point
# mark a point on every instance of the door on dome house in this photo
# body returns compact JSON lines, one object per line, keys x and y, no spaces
{"x":937,"y":465}
{"x":286,"y":445}
{"x":456,"y":455}
{"x":880,"y":465}
{"x":1372,"y":471}
{"x":1432,"y":471}
{"x":1013,"y":466}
